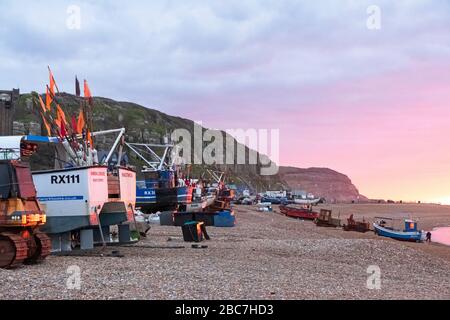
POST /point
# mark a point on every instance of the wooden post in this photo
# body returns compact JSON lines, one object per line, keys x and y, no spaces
{"x":8,"y":101}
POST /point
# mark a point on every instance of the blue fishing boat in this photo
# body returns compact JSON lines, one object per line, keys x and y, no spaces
{"x":162,"y":189}
{"x":161,"y":193}
{"x":409,"y":233}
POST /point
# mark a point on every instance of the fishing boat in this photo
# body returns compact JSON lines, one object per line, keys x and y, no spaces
{"x":83,"y":200}
{"x":162,"y":189}
{"x":158,"y":192}
{"x":199,"y":200}
{"x":304,"y":212}
{"x":409,"y":233}
{"x":307,"y":201}
{"x":83,"y":197}
{"x":207,"y":190}
{"x":274,"y":200}
{"x":264,"y":207}
{"x":211,"y":197}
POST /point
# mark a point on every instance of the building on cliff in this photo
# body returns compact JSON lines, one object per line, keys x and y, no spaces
{"x":8,"y":100}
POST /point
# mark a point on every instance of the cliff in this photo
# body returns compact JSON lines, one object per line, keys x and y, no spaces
{"x":322,"y":182}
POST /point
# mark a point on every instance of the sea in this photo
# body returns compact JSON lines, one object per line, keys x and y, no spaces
{"x":441,"y":235}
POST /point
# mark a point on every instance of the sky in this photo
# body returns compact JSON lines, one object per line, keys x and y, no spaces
{"x":372,"y":103}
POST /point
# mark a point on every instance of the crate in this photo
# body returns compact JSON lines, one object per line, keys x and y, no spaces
{"x":166,"y":218}
{"x":182,"y":217}
{"x":225,"y":219}
{"x":192,"y":231}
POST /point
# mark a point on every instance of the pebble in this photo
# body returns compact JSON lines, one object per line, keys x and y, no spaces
{"x":294,"y":260}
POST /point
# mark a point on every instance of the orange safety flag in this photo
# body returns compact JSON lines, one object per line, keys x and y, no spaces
{"x":42,"y":104}
{"x":47,"y":126}
{"x":81,"y":123}
{"x":89,"y":138}
{"x":87,"y":92}
{"x":58,"y":122}
{"x":61,"y":114}
{"x":52,"y":82}
{"x":48,"y":100}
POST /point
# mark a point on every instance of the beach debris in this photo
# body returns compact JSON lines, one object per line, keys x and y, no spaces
{"x":198,"y":246}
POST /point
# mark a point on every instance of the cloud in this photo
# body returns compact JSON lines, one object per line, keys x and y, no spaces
{"x":171,"y":49}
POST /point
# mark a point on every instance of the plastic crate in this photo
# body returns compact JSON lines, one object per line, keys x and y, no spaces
{"x":225,"y":219}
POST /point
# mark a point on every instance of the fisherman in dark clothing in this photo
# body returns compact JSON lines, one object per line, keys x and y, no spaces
{"x":428,"y":236}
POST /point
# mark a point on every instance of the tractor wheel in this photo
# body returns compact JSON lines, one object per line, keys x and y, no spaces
{"x":42,"y":250}
{"x":13,"y":250}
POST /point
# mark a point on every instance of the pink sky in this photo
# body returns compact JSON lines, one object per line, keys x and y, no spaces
{"x":388,"y":133}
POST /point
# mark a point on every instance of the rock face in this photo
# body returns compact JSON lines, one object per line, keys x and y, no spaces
{"x":322,"y":182}
{"x":25,"y":128}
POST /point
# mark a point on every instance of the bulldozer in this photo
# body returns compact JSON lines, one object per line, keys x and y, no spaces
{"x":21,"y":214}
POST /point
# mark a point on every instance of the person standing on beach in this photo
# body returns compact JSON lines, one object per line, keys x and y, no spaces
{"x":428,"y":237}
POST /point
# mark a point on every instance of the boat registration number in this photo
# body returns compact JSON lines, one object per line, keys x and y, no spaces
{"x":65,"y":179}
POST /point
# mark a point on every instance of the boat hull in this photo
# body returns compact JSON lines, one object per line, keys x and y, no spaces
{"x":151,"y":200}
{"x":298,"y":213}
{"x":415,"y":236}
{"x":73,"y":197}
{"x":307,"y":201}
{"x":274,"y":200}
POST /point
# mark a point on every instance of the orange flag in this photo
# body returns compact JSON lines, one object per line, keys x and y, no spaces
{"x":58,"y":122}
{"x":47,"y":126}
{"x":42,"y":104}
{"x":48,"y":100}
{"x":52,"y":82}
{"x":89,"y":138}
{"x":61,"y":114}
{"x":81,"y":123}
{"x":87,"y":93}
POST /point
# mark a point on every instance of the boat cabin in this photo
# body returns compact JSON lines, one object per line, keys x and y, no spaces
{"x":410,"y":225}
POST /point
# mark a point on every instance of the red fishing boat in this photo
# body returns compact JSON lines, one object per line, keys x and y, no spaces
{"x":299,"y":212}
